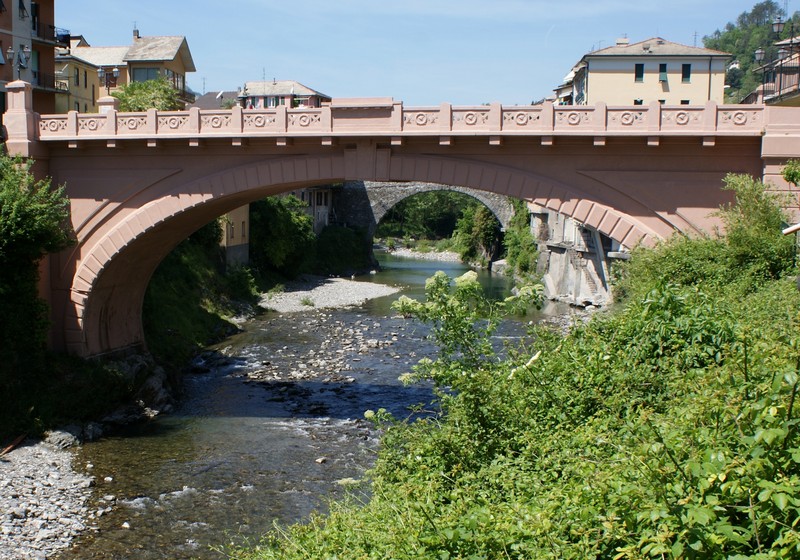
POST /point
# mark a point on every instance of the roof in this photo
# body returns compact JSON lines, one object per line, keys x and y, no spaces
{"x":281,"y":87}
{"x":214,"y":99}
{"x":791,"y":41}
{"x":143,"y":49}
{"x":102,"y":56}
{"x":656,"y":46}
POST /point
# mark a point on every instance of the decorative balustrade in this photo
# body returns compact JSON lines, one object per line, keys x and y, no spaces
{"x":394,"y":120}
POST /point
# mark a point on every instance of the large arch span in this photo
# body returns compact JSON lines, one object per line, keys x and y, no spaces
{"x":141,"y":183}
{"x":103,"y":279}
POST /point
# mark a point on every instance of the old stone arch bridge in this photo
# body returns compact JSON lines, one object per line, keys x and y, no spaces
{"x":139,"y":183}
{"x":363,"y":204}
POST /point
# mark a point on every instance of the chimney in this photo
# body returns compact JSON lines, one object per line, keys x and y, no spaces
{"x":135,"y":33}
{"x":623,"y":42}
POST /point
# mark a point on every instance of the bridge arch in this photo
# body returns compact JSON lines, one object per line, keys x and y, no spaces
{"x":363,"y":204}
{"x":114,"y":260}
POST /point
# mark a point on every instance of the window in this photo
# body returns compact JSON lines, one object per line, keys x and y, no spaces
{"x":243,"y":231}
{"x":85,"y":108}
{"x":684,"y":101}
{"x":662,"y":101}
{"x":77,"y":76}
{"x":662,"y":72}
{"x":94,"y":99}
{"x":85,"y":80}
{"x":639,"y":73}
{"x":78,"y":106}
{"x":686,"y":73}
{"x":34,"y":16}
{"x":233,"y":231}
{"x":23,"y":11}
{"x":144,"y":74}
{"x":637,"y":102}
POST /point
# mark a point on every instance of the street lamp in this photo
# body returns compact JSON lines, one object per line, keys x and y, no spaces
{"x":21,"y":60}
{"x":107,"y":78}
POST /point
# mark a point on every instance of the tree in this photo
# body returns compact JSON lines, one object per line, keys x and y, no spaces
{"x":478,"y":234}
{"x":751,"y":31}
{"x":33,"y":222}
{"x":428,"y":215}
{"x":520,"y":244}
{"x":151,"y":94}
{"x":281,"y":235}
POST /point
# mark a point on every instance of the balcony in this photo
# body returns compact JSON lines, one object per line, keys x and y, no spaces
{"x":51,"y":34}
{"x":780,"y":83}
{"x":48,"y":82}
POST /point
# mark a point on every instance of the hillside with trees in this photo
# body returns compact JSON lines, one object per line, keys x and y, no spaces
{"x":751,"y":31}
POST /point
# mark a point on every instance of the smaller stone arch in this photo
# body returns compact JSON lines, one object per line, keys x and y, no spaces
{"x":363,"y":204}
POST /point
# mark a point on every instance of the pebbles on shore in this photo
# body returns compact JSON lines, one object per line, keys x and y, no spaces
{"x":43,"y":502}
{"x":442,"y":256}
{"x":315,"y":292}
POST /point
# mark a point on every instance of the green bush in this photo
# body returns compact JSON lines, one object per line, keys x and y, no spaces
{"x":190,"y":298}
{"x":664,"y":430}
{"x":520,"y":245}
{"x":34,"y":221}
{"x":752,"y":251}
{"x":478,"y":236}
{"x":281,"y":236}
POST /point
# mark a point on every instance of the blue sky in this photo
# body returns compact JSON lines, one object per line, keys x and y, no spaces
{"x":422,"y":52}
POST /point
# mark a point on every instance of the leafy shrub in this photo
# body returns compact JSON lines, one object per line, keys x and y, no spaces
{"x":667,"y":429}
{"x":281,"y":235}
{"x":33,"y":222}
{"x":520,"y":244}
{"x":752,"y":251}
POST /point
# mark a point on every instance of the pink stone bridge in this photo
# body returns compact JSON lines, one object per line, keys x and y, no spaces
{"x":139,"y":183}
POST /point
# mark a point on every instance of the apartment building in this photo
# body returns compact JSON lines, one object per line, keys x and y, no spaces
{"x":146,"y":58}
{"x":267,"y":94}
{"x":644,"y":72}
{"x":79,"y":82}
{"x":28,"y":39}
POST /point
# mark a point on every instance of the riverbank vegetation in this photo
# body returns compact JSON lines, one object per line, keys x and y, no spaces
{"x":193,"y":296}
{"x":666,"y":428}
{"x":38,"y":389}
{"x":453,"y":221}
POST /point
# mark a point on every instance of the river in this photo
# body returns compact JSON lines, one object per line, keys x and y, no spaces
{"x":257,"y":438}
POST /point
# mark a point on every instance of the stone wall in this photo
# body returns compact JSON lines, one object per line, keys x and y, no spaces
{"x":574,"y":259}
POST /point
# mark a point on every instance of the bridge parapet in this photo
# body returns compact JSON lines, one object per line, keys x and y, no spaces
{"x":365,"y":117}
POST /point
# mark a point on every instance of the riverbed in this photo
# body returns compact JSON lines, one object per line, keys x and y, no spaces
{"x":270,"y":427}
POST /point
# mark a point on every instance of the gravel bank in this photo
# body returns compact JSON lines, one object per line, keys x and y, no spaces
{"x":42,"y":502}
{"x":444,"y":256}
{"x":312,"y":292}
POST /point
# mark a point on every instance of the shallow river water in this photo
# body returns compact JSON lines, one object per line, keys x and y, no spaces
{"x":267,"y":432}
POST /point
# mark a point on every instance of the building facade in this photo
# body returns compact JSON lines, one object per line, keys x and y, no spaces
{"x":79,"y":82}
{"x":146,"y":58}
{"x":780,"y":77}
{"x":649,"y":71}
{"x":28,"y":39}
{"x":288,"y":93}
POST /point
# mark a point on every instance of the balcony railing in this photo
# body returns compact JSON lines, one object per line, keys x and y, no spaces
{"x":48,"y":82}
{"x":780,"y":79}
{"x":52,"y":34}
